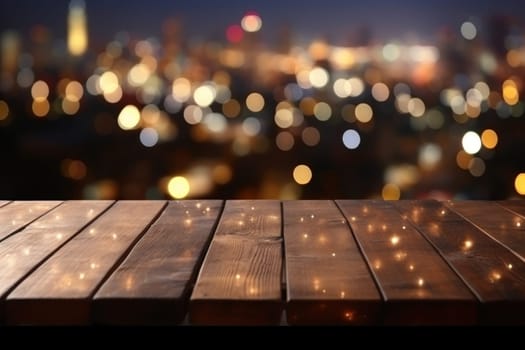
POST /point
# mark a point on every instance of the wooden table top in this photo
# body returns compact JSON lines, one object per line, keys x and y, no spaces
{"x":259,"y":262}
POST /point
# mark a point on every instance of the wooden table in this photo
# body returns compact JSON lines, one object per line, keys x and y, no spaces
{"x":253,"y":262}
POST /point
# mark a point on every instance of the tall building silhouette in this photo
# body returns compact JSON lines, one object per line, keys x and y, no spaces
{"x":77,"y":35}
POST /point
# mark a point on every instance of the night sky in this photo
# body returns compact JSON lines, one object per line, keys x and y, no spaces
{"x":334,"y":19}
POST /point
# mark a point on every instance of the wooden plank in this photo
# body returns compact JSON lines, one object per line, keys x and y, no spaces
{"x":21,"y":253}
{"x":505,"y":226}
{"x":3,"y":203}
{"x":153,"y":284}
{"x":18,"y":214}
{"x":240,"y":279}
{"x":328,"y":282}
{"x":418,"y":286}
{"x":515,"y":205}
{"x":494,"y":274}
{"x":60,"y":290}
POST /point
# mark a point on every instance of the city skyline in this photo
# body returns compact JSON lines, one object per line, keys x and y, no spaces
{"x":336,"y":20}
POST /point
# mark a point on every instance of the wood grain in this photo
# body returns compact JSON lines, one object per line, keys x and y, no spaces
{"x":2,"y":203}
{"x":493,"y":273}
{"x":517,"y":206}
{"x":60,"y":290}
{"x":240,"y":279}
{"x":417,"y":285}
{"x":153,"y":284}
{"x":505,"y":226}
{"x":328,"y":281}
{"x":16,"y":215}
{"x":21,"y":253}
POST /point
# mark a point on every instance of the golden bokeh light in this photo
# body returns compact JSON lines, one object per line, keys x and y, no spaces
{"x":204,"y":95}
{"x":519,"y":184}
{"x":363,"y":112}
{"x":251,"y":22}
{"x":319,"y":50}
{"x":40,"y":108}
{"x":284,"y":141}
{"x":255,"y":102}
{"x":231,"y":108}
{"x":74,"y":91}
{"x":322,"y":111}
{"x":380,"y":92}
{"x":510,"y":92}
{"x":284,"y":118}
{"x":181,"y":90}
{"x":489,"y":138}
{"x":4,"y":110}
{"x":150,"y":114}
{"x":463,"y":159}
{"x":416,"y":107}
{"x":358,"y":86}
{"x":129,"y":117}
{"x":307,"y":105}
{"x":108,"y":82}
{"x":70,"y":107}
{"x":342,"y":88}
{"x":178,"y":187}
{"x":114,"y":96}
{"x":302,"y":174}
{"x":138,"y":75}
{"x":40,"y":90}
{"x":74,"y":169}
{"x":471,"y":142}
{"x":77,"y":37}
{"x":222,"y":174}
{"x":391,"y":192}
{"x":318,"y":77}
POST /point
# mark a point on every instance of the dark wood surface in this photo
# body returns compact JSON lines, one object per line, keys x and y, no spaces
{"x":505,"y":226}
{"x":328,"y":281}
{"x":16,"y":215}
{"x":417,"y":285}
{"x":516,"y":206}
{"x":60,"y":290}
{"x":240,"y":279}
{"x":23,"y":252}
{"x":152,"y":285}
{"x":246,"y":261}
{"x":494,"y":274}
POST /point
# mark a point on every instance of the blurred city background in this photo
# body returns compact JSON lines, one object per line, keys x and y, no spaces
{"x":259,"y":99}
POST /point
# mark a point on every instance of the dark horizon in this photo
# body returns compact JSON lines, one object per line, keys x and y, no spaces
{"x":337,"y":20}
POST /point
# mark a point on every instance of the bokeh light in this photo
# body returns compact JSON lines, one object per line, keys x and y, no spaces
{"x":418,"y":116}
{"x":251,"y":22}
{"x":351,"y":139}
{"x":471,"y":142}
{"x":363,"y":112}
{"x":4,"y":110}
{"x":391,"y":192}
{"x":40,"y":90}
{"x":129,"y":117}
{"x":149,"y":137}
{"x":255,"y":102}
{"x":519,"y":184}
{"x":234,"y":33}
{"x":284,"y":141}
{"x":380,"y":92}
{"x":178,"y":187}
{"x":468,"y":30}
{"x":489,"y":138}
{"x":302,"y":174}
